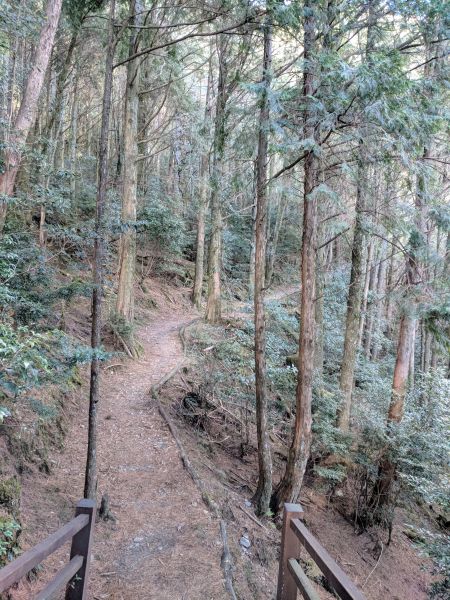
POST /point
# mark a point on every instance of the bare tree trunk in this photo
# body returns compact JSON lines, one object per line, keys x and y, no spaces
{"x":203,"y":202}
{"x":365,"y":296}
{"x":264,"y":489}
{"x":387,"y":468}
{"x":56,"y":106}
{"x":412,"y":359}
{"x":90,"y":483}
{"x":273,"y":242}
{"x":289,"y":487}
{"x":251,"y":271}
{"x":213,"y":307}
{"x":28,"y":107}
{"x":318,"y":314}
{"x":381,"y":292}
{"x":73,"y":143}
{"x":200,"y":243}
{"x":353,"y":305}
{"x":127,"y":243}
{"x":371,"y":306}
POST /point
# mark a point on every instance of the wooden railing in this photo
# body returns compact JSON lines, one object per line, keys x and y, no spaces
{"x":291,"y":576}
{"x":74,"y":575}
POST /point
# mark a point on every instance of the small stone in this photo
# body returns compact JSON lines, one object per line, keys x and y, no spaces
{"x":245,"y":542}
{"x":247,"y":503}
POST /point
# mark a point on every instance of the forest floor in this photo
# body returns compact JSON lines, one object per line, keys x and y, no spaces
{"x":164,"y":543}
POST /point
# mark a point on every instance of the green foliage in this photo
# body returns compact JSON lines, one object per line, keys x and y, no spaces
{"x":23,"y":363}
{"x":162,"y":225}
{"x":437,"y":547}
{"x":31,"y":285}
{"x":77,"y":10}
{"x":8,"y":533}
{"x":10,"y":493}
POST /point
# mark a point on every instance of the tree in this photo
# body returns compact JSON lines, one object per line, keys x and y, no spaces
{"x":26,"y":116}
{"x":197,"y":291}
{"x":90,"y":483}
{"x":214,"y":301}
{"x":290,"y":484}
{"x":264,"y":489}
{"x":127,"y":242}
{"x":354,"y":299}
{"x":227,"y":83}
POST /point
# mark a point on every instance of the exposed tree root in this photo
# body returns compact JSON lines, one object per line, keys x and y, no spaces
{"x":226,"y":561}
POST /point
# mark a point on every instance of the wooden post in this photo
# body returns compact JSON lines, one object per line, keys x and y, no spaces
{"x":290,"y":548}
{"x":81,"y":546}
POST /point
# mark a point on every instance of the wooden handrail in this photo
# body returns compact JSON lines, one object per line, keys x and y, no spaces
{"x":62,"y":578}
{"x":80,"y":531}
{"x":292,"y":577}
{"x":302,"y":580}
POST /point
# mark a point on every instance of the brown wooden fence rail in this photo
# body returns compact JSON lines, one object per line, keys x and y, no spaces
{"x":292,"y":578}
{"x":75,"y":574}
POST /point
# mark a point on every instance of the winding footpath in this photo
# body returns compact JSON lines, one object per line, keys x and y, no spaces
{"x":163,"y":543}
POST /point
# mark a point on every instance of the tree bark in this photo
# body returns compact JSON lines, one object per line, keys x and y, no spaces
{"x":127,"y":242}
{"x":251,"y":270}
{"x":354,"y":299}
{"x":289,"y":487}
{"x":90,"y":483}
{"x":273,"y":242}
{"x":264,"y":488}
{"x":28,"y":107}
{"x":73,"y":143}
{"x":203,"y":203}
{"x":213,"y":306}
{"x":200,"y":242}
{"x":365,"y":296}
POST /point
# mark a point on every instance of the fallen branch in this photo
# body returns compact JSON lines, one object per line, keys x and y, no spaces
{"x":187,"y":463}
{"x":254,"y":519}
{"x":122,"y":341}
{"x":376,"y":565}
{"x":113,"y":366}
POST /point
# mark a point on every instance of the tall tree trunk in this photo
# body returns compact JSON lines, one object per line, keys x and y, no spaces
{"x":203,"y":202}
{"x":73,"y":143}
{"x":387,"y":468}
{"x":299,"y":451}
{"x":127,"y":243}
{"x":251,"y":270}
{"x":354,"y":299}
{"x":28,"y":107}
{"x":365,"y":296}
{"x":264,"y":489}
{"x":273,"y":242}
{"x":213,"y":306}
{"x":371,"y":306}
{"x":90,"y":483}
{"x":381,"y":292}
{"x":57,"y":104}
{"x":200,"y":242}
{"x":389,"y":303}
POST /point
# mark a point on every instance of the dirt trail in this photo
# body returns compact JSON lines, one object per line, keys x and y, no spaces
{"x":164,"y":543}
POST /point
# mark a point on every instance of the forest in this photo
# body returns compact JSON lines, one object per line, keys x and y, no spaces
{"x":224,"y":286}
